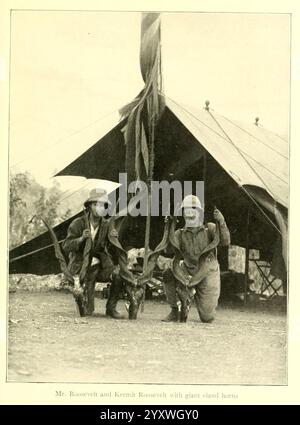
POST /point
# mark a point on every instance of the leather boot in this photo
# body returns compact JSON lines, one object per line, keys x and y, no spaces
{"x":114,"y":314}
{"x":172,"y":316}
{"x":114,"y":293}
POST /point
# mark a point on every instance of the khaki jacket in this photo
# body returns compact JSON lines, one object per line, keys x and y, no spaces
{"x":74,"y":247}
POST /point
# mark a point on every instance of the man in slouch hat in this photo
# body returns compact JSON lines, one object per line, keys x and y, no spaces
{"x":85,"y":245}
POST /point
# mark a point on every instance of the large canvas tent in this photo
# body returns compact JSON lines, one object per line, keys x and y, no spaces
{"x":242,"y":166}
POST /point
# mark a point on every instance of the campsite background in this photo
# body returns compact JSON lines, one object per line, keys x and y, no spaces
{"x":13,"y":392}
{"x":67,"y":69}
{"x":276,"y":329}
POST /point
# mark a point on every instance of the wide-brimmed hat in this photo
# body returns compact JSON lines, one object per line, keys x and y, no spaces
{"x":97,"y":195}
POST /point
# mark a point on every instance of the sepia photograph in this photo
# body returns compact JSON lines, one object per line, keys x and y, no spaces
{"x":148,"y":197}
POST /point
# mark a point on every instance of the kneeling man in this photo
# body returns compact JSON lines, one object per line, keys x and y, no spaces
{"x":85,"y":245}
{"x":195,"y":264}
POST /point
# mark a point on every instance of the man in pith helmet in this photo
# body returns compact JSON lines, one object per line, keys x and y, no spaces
{"x":195,"y":263}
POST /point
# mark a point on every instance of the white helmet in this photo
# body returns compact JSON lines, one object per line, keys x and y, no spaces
{"x":191,"y":201}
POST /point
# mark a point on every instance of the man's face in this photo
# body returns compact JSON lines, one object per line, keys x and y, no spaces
{"x":98,"y":209}
{"x":192,"y":217}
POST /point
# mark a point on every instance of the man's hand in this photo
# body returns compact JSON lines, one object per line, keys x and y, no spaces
{"x":114,"y":273}
{"x":85,"y":234}
{"x":218,"y":216}
{"x":114,"y":233}
{"x":186,"y":282}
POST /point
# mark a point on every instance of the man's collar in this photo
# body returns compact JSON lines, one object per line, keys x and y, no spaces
{"x":194,"y":229}
{"x":95,"y":227}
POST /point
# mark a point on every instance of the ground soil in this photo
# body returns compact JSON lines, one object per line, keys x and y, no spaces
{"x":48,"y":342}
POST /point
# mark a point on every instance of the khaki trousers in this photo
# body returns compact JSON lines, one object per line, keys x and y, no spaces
{"x":206,"y":296}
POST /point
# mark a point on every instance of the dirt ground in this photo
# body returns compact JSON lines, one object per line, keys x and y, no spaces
{"x":48,"y":342}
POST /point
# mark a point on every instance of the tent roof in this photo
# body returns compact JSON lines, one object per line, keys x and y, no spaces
{"x":248,"y":153}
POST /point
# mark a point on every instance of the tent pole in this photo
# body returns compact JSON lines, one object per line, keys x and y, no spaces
{"x":204,"y":177}
{"x":148,"y":220}
{"x":247,"y":256}
{"x":147,"y":239}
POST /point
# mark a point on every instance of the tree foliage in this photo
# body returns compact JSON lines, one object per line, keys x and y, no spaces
{"x":29,"y":199}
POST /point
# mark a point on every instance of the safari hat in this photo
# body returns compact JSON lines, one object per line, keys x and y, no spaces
{"x":97,"y":195}
{"x":191,"y":201}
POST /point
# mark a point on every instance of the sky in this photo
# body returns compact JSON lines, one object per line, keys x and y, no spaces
{"x":71,"y":71}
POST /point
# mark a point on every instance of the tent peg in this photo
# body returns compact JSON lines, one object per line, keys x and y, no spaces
{"x":256,"y":121}
{"x":207,"y":105}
